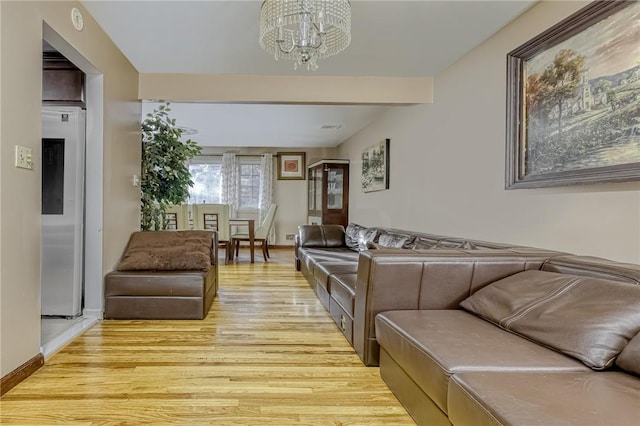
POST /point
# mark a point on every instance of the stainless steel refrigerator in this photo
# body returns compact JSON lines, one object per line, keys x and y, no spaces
{"x":62,"y":241}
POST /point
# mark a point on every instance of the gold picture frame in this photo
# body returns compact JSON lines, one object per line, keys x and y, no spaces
{"x":573,"y":101}
{"x":291,"y":166}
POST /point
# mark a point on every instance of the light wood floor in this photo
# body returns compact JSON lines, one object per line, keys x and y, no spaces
{"x":268,"y":353}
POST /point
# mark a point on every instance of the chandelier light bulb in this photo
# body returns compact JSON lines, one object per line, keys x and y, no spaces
{"x":305,"y":30}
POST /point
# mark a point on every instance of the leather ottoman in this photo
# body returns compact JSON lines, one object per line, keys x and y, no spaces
{"x":159,"y":294}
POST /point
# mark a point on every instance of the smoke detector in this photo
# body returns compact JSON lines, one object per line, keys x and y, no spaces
{"x":331,"y":127}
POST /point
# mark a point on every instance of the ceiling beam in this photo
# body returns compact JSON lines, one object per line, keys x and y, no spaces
{"x":286,"y":89}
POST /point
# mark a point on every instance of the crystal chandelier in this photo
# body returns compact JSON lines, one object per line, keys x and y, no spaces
{"x":305,"y":30}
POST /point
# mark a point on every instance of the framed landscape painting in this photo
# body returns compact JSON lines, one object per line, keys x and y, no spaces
{"x":375,"y":167}
{"x":573,"y":100}
{"x":291,"y":166}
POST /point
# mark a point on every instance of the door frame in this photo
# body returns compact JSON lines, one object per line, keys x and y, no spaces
{"x":94,"y":86}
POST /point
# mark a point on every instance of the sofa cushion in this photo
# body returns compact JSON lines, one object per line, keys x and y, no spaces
{"x":629,"y":358}
{"x":167,"y":251}
{"x":310,"y":256}
{"x":430,"y":346}
{"x":588,"y":318}
{"x":343,"y":290}
{"x":489,"y":399}
{"x":166,"y":259}
{"x":146,"y":239}
{"x":593,"y":267}
{"x":323,"y":270}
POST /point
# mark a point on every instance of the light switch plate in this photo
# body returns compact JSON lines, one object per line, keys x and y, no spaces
{"x":23,"y":157}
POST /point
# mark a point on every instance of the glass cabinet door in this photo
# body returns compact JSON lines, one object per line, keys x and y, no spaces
{"x":335,"y":179}
{"x":318,"y":188}
{"x":328,"y":193}
{"x":311,"y":188}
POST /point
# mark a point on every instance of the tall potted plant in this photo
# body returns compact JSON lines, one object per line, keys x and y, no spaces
{"x":165,"y":175}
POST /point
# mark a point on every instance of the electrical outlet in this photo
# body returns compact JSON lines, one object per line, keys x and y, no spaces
{"x":289,"y":236}
{"x":23,"y":157}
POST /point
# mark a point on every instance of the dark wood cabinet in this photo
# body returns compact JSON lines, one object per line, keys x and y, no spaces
{"x":328,"y":186}
{"x":62,"y":82}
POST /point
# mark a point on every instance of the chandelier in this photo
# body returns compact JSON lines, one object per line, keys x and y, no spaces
{"x":305,"y":30}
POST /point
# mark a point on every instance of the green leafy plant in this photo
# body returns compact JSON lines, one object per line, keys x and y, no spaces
{"x":165,"y":175}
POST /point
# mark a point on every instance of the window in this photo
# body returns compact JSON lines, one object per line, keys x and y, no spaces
{"x":207,"y":182}
{"x":206,"y":174}
{"x":249,"y":185}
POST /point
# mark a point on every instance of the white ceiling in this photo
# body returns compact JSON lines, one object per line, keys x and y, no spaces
{"x":389,"y":38}
{"x":285,"y":126}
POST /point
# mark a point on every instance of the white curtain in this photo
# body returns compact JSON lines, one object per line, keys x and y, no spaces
{"x":230,"y":182}
{"x":266,"y":191}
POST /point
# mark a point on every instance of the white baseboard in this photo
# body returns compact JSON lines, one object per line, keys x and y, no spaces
{"x":68,"y":335}
{"x":93,"y":313}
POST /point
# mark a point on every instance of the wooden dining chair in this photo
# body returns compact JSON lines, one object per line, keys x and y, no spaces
{"x":216,"y":217}
{"x":261,"y":233}
{"x":177,"y":217}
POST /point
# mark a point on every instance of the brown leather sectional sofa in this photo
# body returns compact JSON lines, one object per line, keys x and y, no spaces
{"x":355,"y":281}
{"x":535,"y":326}
{"x":164,"y":275}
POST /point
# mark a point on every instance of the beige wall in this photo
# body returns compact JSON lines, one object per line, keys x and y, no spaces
{"x":1,"y":157}
{"x":287,"y":88}
{"x":447,"y":165}
{"x":289,"y":195}
{"x":21,"y":38}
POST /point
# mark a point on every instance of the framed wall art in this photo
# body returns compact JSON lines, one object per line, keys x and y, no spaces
{"x":375,"y":167}
{"x":573,"y":100}
{"x":291,"y":166}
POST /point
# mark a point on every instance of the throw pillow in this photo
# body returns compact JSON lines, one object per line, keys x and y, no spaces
{"x":367,"y":236}
{"x":352,"y":235}
{"x":629,"y":358}
{"x":392,"y":240}
{"x":448,"y":244}
{"x":423,"y":243}
{"x":590,"y":319}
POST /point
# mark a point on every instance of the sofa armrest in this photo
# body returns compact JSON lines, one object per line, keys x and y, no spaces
{"x":296,"y":240}
{"x":396,"y":279}
{"x":214,"y":248}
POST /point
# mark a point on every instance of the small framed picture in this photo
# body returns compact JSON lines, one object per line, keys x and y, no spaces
{"x":291,"y":166}
{"x":375,"y":167}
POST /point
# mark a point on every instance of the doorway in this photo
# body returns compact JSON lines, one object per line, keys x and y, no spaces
{"x":71,"y":233}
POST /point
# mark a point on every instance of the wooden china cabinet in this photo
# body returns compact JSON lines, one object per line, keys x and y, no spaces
{"x":328,"y":193}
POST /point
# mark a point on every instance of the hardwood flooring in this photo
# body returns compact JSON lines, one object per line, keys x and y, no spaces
{"x":267,"y":354}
